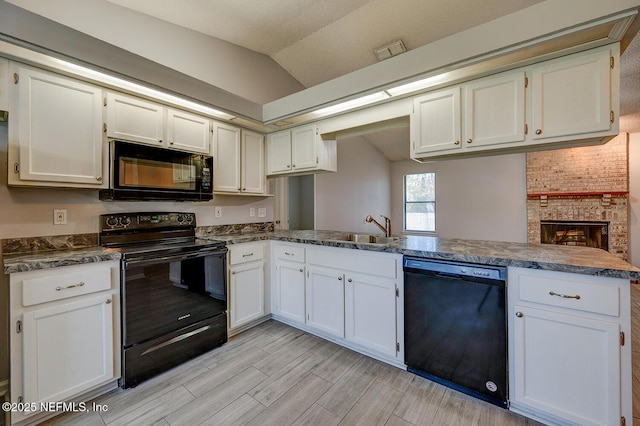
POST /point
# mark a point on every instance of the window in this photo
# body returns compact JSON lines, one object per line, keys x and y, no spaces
{"x":420,"y":202}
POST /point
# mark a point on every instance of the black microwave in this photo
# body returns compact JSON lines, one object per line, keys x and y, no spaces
{"x":141,"y":173}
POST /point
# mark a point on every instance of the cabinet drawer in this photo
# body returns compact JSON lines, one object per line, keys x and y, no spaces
{"x":56,"y":286}
{"x":292,"y":253}
{"x":382,"y":265}
{"x":243,"y":253}
{"x":571,"y":294}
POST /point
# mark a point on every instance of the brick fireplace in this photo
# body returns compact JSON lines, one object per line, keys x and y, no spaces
{"x":582,"y":192}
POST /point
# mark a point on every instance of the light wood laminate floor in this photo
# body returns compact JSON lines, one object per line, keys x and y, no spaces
{"x":274,"y":374}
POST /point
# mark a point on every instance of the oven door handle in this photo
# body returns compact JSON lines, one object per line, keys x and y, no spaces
{"x":178,"y":257}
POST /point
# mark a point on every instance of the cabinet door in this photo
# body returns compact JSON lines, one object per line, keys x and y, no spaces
{"x":4,"y":84}
{"x":303,"y":148}
{"x":226,"y":158}
{"x":325,"y":300}
{"x":567,"y":366}
{"x":279,"y":152}
{"x":134,"y":119}
{"x":494,"y":110}
{"x":572,"y":96}
{"x":252,"y":165}
{"x":370,"y":312}
{"x":59,"y":129}
{"x":435,"y":122}
{"x":67,"y":349}
{"x":188,"y":132}
{"x":246,"y":288}
{"x":289,"y":297}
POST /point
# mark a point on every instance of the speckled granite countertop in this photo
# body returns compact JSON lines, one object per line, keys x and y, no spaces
{"x":580,"y":260}
{"x":56,"y":259}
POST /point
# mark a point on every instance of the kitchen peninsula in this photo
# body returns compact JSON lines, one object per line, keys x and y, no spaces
{"x":535,"y":319}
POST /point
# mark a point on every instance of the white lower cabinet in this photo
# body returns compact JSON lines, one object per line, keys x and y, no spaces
{"x":325,"y":300}
{"x":65,"y":338}
{"x":370,"y":312}
{"x":569,"y":362}
{"x":351,"y":297}
{"x":246,"y":284}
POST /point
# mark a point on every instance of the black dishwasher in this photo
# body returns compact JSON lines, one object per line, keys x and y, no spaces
{"x":455,"y":326}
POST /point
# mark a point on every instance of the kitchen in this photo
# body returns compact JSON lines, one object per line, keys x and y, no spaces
{"x":26,"y":212}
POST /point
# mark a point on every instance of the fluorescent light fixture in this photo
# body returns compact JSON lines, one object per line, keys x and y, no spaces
{"x":353,"y":103}
{"x":415,"y":85}
{"x":142,"y":90}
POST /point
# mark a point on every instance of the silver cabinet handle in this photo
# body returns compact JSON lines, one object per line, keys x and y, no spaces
{"x":565,"y":296}
{"x":519,"y":314}
{"x":288,"y":254}
{"x":247,"y":255}
{"x":80,"y":284}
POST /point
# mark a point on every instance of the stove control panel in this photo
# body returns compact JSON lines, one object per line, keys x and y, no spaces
{"x":134,"y":221}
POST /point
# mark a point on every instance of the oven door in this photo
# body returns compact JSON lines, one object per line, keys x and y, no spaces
{"x":165,"y":294}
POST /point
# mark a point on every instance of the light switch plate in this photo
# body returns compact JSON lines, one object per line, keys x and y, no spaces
{"x":218,"y":211}
{"x":252,"y":211}
{"x":262,"y":212}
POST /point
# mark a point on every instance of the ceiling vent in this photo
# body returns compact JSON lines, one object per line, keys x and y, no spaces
{"x":391,"y":49}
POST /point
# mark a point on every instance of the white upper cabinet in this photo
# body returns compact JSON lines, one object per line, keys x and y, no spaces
{"x":226,"y":158}
{"x":572,"y":96}
{"x":134,"y":119}
{"x":484,"y":113}
{"x":253,"y":177}
{"x":238,"y":157}
{"x":279,"y":152}
{"x":56,"y":134}
{"x":568,"y":101}
{"x":435,"y":124}
{"x":300,"y":151}
{"x":494,"y":110}
{"x":188,"y":132}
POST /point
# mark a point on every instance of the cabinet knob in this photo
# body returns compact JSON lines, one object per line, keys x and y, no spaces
{"x":519,"y":314}
{"x":456,"y":143}
{"x":301,"y":270}
{"x":233,"y":272}
{"x":244,"y":189}
{"x":293,"y":165}
{"x":99,"y":178}
{"x":108,"y":302}
{"x":350,"y":280}
{"x":539,"y":132}
{"x":339,"y":278}
{"x":288,"y":166}
{"x":469,"y":140}
{"x":159,"y":140}
{"x":170,"y":142}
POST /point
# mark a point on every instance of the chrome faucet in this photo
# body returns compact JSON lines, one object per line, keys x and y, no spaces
{"x":387,"y":224}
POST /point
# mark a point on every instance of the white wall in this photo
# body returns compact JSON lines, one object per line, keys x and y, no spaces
{"x":478,"y":198}
{"x":634,"y":199}
{"x":28,"y":212}
{"x":359,"y":188}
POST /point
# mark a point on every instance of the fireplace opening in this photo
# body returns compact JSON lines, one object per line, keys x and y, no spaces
{"x":572,"y":233}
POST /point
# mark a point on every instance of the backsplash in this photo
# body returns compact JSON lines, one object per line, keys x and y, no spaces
{"x":44,"y":244}
{"x":48,"y":243}
{"x":241,"y":228}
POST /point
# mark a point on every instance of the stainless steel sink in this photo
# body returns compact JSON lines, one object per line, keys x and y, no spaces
{"x":369,"y":238}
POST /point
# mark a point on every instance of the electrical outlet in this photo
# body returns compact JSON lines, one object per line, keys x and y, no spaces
{"x":59,"y":216}
{"x":252,"y":211}
{"x":218,"y":211}
{"x":262,"y":212}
